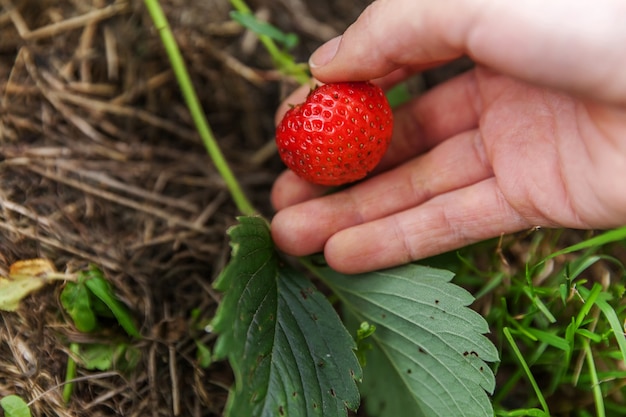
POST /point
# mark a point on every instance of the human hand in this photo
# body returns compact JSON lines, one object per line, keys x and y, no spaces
{"x":535,"y":135}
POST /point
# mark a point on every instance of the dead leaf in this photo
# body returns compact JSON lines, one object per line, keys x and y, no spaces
{"x":25,"y":277}
{"x":32,"y":267}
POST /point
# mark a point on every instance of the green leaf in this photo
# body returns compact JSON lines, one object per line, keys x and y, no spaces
{"x":14,"y":406}
{"x":605,"y":238}
{"x":429,"y":350}
{"x":101,"y":357}
{"x":250,"y":21}
{"x":611,"y":317}
{"x":13,"y":291}
{"x":100,"y":287}
{"x":398,"y":94}
{"x":290,"y":353}
{"x":203,"y":355}
{"x":550,"y":338}
{"x":75,"y":300}
{"x":520,"y":357}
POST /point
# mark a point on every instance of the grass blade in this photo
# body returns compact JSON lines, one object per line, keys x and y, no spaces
{"x":595,"y":383}
{"x":614,"y":322}
{"x":522,"y":361}
{"x":603,"y":239}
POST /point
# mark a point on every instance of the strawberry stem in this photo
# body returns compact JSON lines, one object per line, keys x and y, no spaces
{"x":193,"y":104}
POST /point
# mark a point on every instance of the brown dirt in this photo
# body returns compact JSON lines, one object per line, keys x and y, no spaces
{"x":100,"y":163}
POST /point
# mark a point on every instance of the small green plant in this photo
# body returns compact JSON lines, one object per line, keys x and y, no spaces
{"x":204,"y":355}
{"x":364,"y":331}
{"x":91,"y":298}
{"x":88,"y":301}
{"x":88,"y":298}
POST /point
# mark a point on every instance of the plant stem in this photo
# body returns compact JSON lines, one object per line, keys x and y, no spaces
{"x":282,"y":60}
{"x":70,"y":373}
{"x":193,"y":103}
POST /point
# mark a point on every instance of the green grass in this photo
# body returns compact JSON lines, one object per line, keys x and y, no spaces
{"x":554,"y":303}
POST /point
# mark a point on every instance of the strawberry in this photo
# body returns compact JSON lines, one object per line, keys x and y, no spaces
{"x":338,"y":135}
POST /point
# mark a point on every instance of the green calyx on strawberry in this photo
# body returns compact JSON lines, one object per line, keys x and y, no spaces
{"x":338,"y":135}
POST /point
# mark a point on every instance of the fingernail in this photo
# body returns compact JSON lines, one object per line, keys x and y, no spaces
{"x":325,"y":53}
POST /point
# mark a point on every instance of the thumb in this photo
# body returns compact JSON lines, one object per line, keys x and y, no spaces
{"x":389,"y":35}
{"x":573,"y":46}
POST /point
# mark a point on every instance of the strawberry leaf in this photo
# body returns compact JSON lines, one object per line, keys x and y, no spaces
{"x":290,"y":353}
{"x":429,"y":352}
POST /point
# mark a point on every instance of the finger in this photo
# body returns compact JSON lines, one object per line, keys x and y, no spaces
{"x":304,"y":228}
{"x":447,"y":222}
{"x":289,"y":189}
{"x":570,"y":45}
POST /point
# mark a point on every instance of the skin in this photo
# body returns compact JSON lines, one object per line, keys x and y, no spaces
{"x":534,"y":135}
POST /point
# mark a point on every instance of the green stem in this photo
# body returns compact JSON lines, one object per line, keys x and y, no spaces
{"x":193,"y":103}
{"x":241,"y":6}
{"x":282,"y":60}
{"x":70,"y":374}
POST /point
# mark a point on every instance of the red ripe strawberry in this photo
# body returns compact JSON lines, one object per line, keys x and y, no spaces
{"x":338,"y":135}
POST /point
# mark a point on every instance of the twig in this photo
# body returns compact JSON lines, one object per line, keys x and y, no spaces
{"x":153,"y":83}
{"x":71,"y":23}
{"x":112,"y":57}
{"x":173,"y":364}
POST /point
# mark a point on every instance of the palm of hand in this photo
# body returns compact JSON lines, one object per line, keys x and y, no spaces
{"x":557,"y":160}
